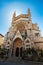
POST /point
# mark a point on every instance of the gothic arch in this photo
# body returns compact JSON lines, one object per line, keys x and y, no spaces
{"x":8,"y":42}
{"x":17,"y":46}
{"x":21,"y":26}
{"x":27,"y":40}
{"x":19,"y":36}
{"x":27,"y":43}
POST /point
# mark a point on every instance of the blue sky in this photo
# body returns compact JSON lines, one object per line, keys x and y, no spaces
{"x":7,"y":8}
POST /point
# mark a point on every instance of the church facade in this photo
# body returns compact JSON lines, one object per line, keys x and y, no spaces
{"x":22,"y":34}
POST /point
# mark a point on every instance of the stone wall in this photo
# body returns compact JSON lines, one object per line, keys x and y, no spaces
{"x":1,"y":39}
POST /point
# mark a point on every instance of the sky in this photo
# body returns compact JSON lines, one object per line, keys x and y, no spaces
{"x":7,"y":8}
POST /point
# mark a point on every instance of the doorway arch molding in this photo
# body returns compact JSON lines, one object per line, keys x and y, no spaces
{"x":17,"y":46}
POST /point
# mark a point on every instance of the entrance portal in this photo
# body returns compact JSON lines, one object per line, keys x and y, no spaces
{"x":17,"y":47}
{"x":17,"y":52}
{"x":20,"y":51}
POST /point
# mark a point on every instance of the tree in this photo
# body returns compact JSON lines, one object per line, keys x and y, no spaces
{"x":3,"y":52}
{"x":41,"y":53}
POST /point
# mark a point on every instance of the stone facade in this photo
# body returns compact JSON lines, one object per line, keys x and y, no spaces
{"x":22,"y":34}
{"x":1,"y":39}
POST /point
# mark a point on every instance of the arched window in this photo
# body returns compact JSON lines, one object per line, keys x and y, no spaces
{"x":8,"y":43}
{"x":27,"y":41}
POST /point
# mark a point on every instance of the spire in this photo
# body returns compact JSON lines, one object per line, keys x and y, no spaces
{"x":28,"y":11}
{"x":14,"y":15}
{"x":29,"y":14}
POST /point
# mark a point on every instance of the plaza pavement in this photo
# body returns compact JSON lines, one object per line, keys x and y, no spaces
{"x":26,"y":63}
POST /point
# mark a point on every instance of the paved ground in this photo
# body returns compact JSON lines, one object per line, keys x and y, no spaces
{"x":26,"y":63}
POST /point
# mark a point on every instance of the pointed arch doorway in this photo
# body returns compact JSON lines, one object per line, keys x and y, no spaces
{"x":17,"y":47}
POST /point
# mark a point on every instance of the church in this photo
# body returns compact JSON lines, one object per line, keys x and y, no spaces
{"x":23,"y":34}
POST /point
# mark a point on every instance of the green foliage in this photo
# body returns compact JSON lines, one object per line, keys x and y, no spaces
{"x":33,"y":50}
{"x":3,"y":52}
{"x":23,"y":54}
{"x":41,"y":53}
{"x":30,"y":53}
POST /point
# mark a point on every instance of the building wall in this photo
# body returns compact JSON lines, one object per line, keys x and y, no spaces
{"x":1,"y":40}
{"x":39,"y":45}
